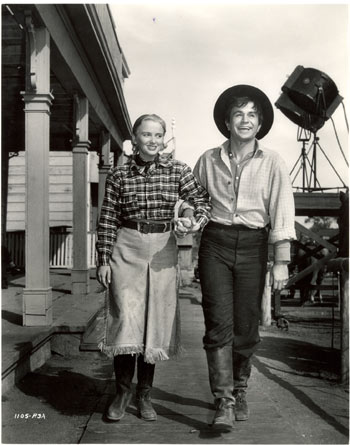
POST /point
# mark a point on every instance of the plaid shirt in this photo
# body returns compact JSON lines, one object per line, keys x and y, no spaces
{"x":133,"y":194}
{"x":256,"y":193}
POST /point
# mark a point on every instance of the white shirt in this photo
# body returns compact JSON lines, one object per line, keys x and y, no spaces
{"x":264,"y":194}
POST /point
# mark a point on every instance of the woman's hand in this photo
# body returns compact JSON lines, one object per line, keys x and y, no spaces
{"x":186,"y":225}
{"x":103,"y":275}
{"x":182,"y":226}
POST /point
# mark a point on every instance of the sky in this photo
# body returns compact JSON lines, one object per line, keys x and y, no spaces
{"x":183,"y":55}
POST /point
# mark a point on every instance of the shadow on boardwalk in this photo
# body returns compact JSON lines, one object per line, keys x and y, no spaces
{"x":302,"y":360}
{"x":294,"y":396}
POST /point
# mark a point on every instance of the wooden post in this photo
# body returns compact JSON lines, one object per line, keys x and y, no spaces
{"x":185,"y":259}
{"x":344,"y":310}
{"x":81,"y":198}
{"x":344,"y":300}
{"x":103,"y":167}
{"x":266,"y":301}
{"x":276,"y":304}
{"x":121,"y":158}
{"x":342,"y":265}
{"x":37,"y":294}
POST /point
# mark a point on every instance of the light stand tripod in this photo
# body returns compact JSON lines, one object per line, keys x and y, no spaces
{"x":308,"y":167}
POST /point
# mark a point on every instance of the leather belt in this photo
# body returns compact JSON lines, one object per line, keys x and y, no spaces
{"x":148,"y":227}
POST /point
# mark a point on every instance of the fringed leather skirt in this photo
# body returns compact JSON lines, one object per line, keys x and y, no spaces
{"x":141,"y":306}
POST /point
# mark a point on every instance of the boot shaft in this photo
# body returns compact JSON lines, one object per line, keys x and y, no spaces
{"x":220,"y":372}
{"x":242,"y":368}
{"x":145,"y":376}
{"x":124,"y":369}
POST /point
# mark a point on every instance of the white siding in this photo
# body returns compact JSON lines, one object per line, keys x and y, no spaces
{"x":60,"y":189}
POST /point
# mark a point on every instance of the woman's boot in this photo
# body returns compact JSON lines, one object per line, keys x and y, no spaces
{"x":124,"y":368}
{"x":145,"y":375}
{"x":221,"y":385}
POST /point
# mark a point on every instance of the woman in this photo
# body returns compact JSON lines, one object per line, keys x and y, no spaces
{"x":137,"y":258}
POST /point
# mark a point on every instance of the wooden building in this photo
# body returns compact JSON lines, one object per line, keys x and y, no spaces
{"x":64,"y":121}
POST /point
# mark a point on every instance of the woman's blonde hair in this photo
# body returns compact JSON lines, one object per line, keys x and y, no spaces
{"x":150,"y":117}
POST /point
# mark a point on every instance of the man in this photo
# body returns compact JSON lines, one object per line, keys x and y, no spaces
{"x":252,"y":203}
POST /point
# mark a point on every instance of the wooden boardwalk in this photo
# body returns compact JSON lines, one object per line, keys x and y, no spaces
{"x":286,"y":406}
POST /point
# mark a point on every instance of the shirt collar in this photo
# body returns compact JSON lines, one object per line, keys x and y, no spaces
{"x":224,"y":147}
{"x":164,"y":160}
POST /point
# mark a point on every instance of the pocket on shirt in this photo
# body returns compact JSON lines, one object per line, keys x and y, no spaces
{"x":163,"y":204}
{"x":169,"y":199}
{"x":129,"y":202}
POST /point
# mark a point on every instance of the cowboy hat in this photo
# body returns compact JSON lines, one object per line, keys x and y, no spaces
{"x":226,"y":98}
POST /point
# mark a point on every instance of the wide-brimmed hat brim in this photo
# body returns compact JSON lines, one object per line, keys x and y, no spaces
{"x":225,"y":100}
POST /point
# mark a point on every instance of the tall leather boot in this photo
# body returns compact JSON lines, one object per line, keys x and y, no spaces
{"x":221,"y":385}
{"x":242,"y":368}
{"x":124,"y":368}
{"x":145,"y":375}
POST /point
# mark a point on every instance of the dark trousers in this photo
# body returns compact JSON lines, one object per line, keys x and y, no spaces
{"x":232,"y":267}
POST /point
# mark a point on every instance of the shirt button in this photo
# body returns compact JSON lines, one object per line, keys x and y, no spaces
{"x":237,"y":165}
{"x":229,"y":182}
{"x":237,"y":177}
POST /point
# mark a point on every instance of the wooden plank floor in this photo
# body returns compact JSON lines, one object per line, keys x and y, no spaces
{"x":183,"y":402}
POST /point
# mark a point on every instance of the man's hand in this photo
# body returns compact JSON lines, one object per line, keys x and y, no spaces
{"x":186,"y":225}
{"x":279,"y":275}
{"x":103,"y":275}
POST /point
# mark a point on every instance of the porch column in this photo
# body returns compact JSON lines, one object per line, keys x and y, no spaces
{"x":103,"y":167}
{"x":81,"y":198}
{"x":121,"y":157}
{"x":37,"y":294}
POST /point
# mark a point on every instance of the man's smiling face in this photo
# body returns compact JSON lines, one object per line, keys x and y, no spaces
{"x":244,"y":122}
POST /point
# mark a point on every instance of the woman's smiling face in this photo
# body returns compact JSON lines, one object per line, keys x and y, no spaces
{"x":149,"y":139}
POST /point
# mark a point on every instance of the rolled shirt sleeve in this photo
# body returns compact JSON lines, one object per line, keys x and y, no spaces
{"x":282,"y":251}
{"x":281,"y":205}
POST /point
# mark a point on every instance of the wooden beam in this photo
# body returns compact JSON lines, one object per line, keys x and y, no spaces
{"x":310,"y":252}
{"x":316,"y":204}
{"x":308,"y":270}
{"x":314,"y":236}
{"x":72,"y":63}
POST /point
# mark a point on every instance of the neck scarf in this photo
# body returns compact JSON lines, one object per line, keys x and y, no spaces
{"x":142,"y":163}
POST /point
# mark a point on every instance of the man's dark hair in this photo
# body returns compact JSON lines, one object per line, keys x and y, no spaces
{"x":241,"y":102}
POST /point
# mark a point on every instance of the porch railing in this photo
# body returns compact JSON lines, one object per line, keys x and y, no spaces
{"x":61,"y":249}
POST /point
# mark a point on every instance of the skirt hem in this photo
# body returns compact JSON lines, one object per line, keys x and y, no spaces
{"x":151,"y":355}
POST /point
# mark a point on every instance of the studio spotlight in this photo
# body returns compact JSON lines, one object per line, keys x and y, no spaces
{"x":300,"y":117}
{"x":309,"y":98}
